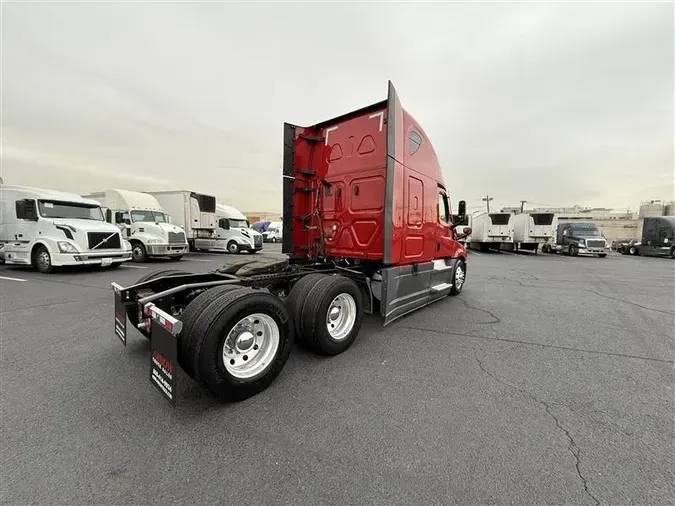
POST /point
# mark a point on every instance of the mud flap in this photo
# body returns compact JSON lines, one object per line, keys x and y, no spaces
{"x":164,"y":351}
{"x":120,"y":314}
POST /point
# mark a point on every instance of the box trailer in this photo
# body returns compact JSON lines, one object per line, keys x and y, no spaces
{"x":533,"y":229}
{"x":144,"y":224}
{"x":194,"y":212}
{"x":47,"y":228}
{"x":491,"y":230}
{"x":366,"y":221}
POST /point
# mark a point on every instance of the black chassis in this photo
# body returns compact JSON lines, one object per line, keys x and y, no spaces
{"x":160,"y":301}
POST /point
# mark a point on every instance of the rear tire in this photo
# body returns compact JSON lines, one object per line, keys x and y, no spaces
{"x":242,"y":341}
{"x":194,"y":309}
{"x":176,"y":258}
{"x":331,"y":315}
{"x":132,"y":315}
{"x":42,"y":260}
{"x":573,"y":251}
{"x":297,"y":297}
{"x":602,"y":255}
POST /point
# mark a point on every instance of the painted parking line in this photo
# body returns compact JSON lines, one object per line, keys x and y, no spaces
{"x":12,"y":279}
{"x":134,"y":267}
{"x":473,"y":252}
{"x":197,"y":260}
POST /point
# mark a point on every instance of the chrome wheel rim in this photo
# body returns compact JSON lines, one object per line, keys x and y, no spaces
{"x":137,"y":253}
{"x":459,"y":277}
{"x":341,"y":316}
{"x":43,"y":260}
{"x":233,"y":248}
{"x":251,"y":345}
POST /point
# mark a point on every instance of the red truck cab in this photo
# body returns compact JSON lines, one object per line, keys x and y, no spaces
{"x":366,"y":188}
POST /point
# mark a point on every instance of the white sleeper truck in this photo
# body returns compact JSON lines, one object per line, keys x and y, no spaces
{"x":234,"y":234}
{"x":274,"y":232}
{"x":194,"y":212}
{"x":143,"y":223}
{"x":47,"y":229}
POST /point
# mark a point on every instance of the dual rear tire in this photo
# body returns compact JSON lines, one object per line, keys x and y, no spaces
{"x":235,"y":340}
{"x":327,"y":312}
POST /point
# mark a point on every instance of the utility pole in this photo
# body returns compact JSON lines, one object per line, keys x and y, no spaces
{"x":487,"y":199}
{"x":522,"y":205}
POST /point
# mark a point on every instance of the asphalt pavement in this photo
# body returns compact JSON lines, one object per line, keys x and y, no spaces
{"x":548,"y":380}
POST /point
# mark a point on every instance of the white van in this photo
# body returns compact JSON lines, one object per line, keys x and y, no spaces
{"x":233,"y":233}
{"x":144,"y":224}
{"x":47,"y":229}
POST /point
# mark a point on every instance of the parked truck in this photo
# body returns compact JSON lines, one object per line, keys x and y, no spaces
{"x":361,"y":234}
{"x":656,"y":239}
{"x":144,"y":224}
{"x":194,"y":212}
{"x":578,"y":238}
{"x":533,"y":229}
{"x":47,"y":228}
{"x":233,"y":234}
{"x":491,"y":230}
{"x":274,"y":232}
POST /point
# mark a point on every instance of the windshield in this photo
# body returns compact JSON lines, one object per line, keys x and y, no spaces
{"x":56,"y":209}
{"x":148,"y":216}
{"x":238,"y":223}
{"x":585,"y":232}
{"x":272,"y":230}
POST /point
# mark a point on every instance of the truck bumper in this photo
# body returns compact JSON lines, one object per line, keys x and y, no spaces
{"x":166,"y":249}
{"x":594,"y":251}
{"x":103,"y":259}
{"x":249,"y":247}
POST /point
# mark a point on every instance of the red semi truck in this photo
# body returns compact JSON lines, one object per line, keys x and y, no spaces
{"x":367,"y":228}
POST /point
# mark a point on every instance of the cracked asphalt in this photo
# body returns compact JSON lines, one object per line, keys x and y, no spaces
{"x":549,"y":380}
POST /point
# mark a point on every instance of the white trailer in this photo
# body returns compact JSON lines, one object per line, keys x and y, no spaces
{"x":144,"y":223}
{"x":233,"y":234}
{"x":47,"y":228}
{"x":491,"y":231}
{"x":531,"y":229}
{"x":194,"y":212}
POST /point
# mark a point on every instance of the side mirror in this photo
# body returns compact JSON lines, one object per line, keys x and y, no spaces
{"x":465,"y":233}
{"x":461,"y":208}
{"x":108,"y":215}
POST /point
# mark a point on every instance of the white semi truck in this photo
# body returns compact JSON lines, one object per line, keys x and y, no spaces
{"x":144,"y":224}
{"x":194,"y":212}
{"x":532,"y":229}
{"x":47,"y":228}
{"x":491,"y":230}
{"x":233,"y":234}
{"x":274,"y":232}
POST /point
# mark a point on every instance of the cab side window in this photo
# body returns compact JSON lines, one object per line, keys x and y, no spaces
{"x":414,"y":142}
{"x":443,"y":210}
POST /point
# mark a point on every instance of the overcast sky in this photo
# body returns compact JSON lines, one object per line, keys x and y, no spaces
{"x":560,"y":104}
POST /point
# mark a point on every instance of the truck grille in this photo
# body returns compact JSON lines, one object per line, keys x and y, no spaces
{"x":176,"y":237}
{"x":112,"y":240}
{"x":595,"y":243}
{"x":258,"y":240}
